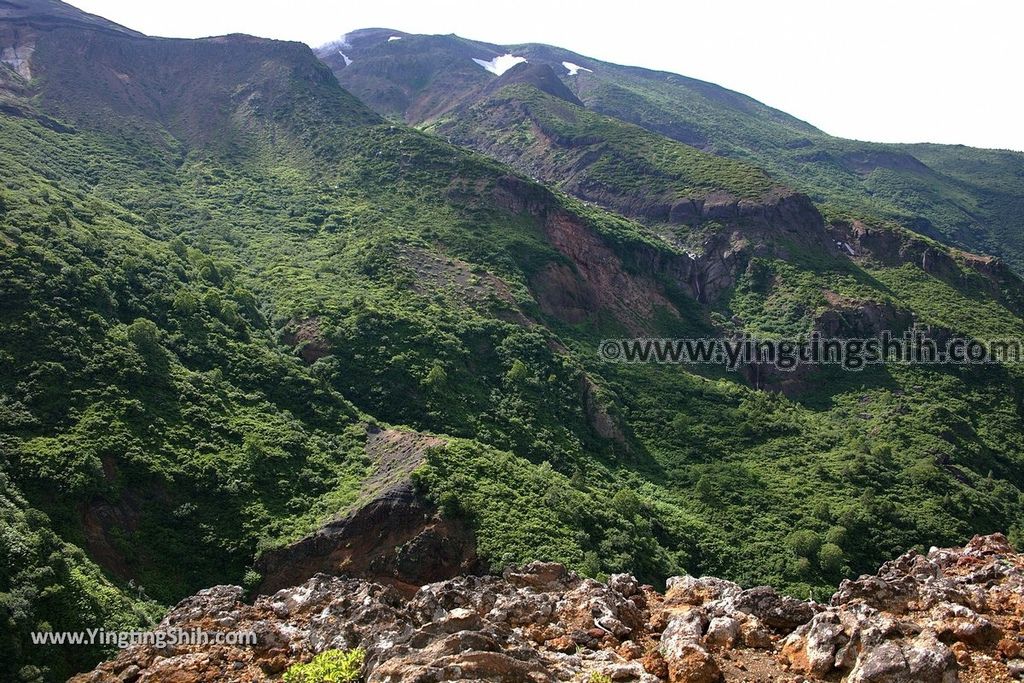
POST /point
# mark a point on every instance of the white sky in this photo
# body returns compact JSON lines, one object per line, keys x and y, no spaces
{"x":885,"y":70}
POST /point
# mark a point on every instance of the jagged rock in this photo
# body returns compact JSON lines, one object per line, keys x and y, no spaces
{"x":593,"y":604}
{"x":898,"y":624}
{"x":687,"y":627}
{"x":924,"y":660}
{"x":984,"y":546}
{"x":722,"y":632}
{"x":628,"y":671}
{"x":956,"y":622}
{"x":467,"y":656}
{"x":477,"y":592}
{"x":921,"y":618}
{"x":697,"y":591}
{"x":777,"y":611}
{"x":539,"y":575}
{"x":624,"y":584}
{"x":812,"y":647}
{"x":520,"y":609}
{"x":753,"y":634}
{"x":688,"y":662}
{"x":214,"y":602}
{"x":870,"y":645}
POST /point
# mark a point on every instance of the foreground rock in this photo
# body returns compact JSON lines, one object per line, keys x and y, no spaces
{"x":952,"y":615}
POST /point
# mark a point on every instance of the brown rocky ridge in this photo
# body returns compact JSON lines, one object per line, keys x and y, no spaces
{"x":949,"y":615}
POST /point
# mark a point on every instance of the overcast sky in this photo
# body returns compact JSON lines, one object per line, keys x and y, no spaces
{"x":884,"y":70}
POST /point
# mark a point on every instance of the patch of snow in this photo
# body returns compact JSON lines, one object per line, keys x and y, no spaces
{"x":345,"y":57}
{"x":393,"y":38}
{"x":574,"y":69}
{"x":500,"y":64}
{"x":693,"y":257}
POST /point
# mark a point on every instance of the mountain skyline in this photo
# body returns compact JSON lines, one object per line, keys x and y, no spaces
{"x":876,"y":72}
{"x":452,"y":86}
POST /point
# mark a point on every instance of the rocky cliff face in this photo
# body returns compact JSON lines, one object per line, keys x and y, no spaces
{"x":950,"y":615}
{"x":937,"y":191}
{"x":393,"y":536}
{"x":397,"y":539}
{"x":897,"y":247}
{"x":628,"y":280}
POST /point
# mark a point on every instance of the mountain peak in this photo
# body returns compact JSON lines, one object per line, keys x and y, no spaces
{"x":51,"y":13}
{"x":540,"y":76}
{"x":363,"y":38}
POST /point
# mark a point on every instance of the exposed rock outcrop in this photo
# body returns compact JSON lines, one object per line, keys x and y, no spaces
{"x":397,"y":539}
{"x":892,"y":247}
{"x":951,"y":615}
{"x":392,"y":536}
{"x":629,"y":280}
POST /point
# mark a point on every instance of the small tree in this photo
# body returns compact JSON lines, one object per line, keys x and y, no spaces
{"x":804,"y":543}
{"x":518,"y":373}
{"x":835,"y":534}
{"x":626,"y":503}
{"x":436,"y":376}
{"x":831,"y":558}
{"x":145,"y":335}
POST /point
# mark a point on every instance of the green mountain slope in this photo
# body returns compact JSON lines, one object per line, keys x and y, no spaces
{"x":927,"y":188}
{"x":596,"y":158}
{"x":222,"y":277}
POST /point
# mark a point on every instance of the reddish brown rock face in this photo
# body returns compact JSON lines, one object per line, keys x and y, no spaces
{"x":397,"y":539}
{"x":951,"y":615}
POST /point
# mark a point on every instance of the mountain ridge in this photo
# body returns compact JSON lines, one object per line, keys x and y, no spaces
{"x":878,"y":179}
{"x":54,"y":12}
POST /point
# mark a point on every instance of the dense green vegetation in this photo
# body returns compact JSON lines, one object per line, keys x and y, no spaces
{"x":616,"y":163}
{"x":50,"y":585}
{"x":198,"y":322}
{"x":148,"y":387}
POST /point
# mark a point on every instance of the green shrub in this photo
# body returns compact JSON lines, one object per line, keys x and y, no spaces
{"x":596,"y":677}
{"x":251,"y":579}
{"x":835,"y":534}
{"x":330,"y":666}
{"x":519,"y":372}
{"x":831,"y":558}
{"x":804,"y":543}
{"x":437,"y":377}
